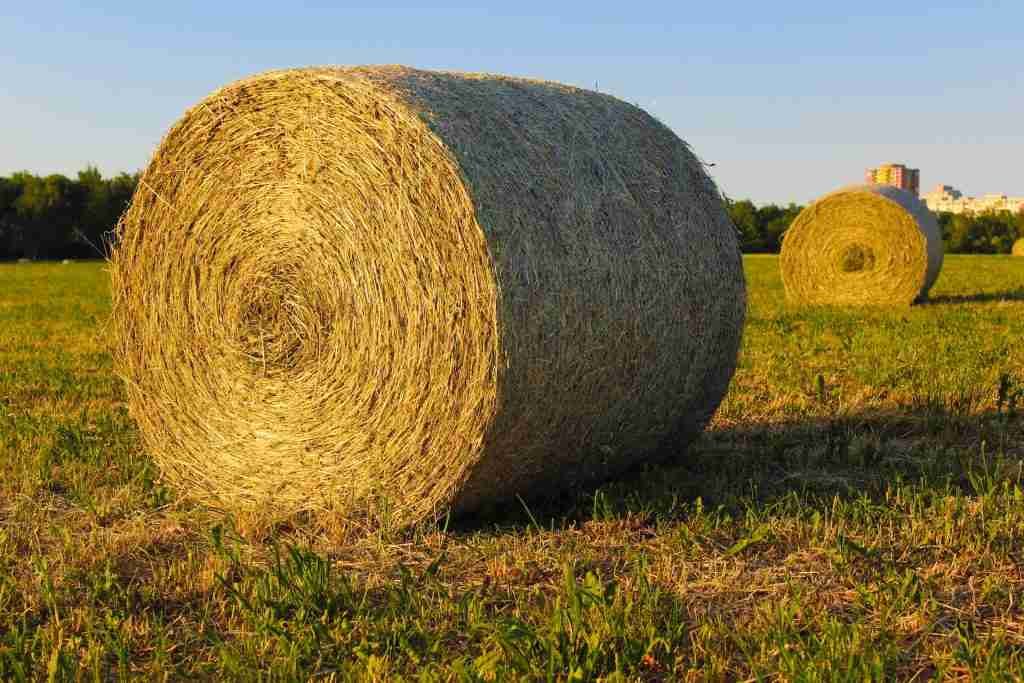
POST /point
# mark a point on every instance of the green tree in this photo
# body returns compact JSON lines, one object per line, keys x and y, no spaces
{"x":958,"y":237}
{"x":104,"y":200}
{"x":994,"y":232}
{"x":744,"y":217}
{"x":775,"y":220}
{"x":97,"y":209}
{"x":9,"y":192}
{"x":46,"y":211}
{"x":121,"y":188}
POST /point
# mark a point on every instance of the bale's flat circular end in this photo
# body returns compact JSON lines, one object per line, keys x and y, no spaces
{"x":1018,"y":247}
{"x":340,"y":285}
{"x":301,"y":278}
{"x":866,"y":244}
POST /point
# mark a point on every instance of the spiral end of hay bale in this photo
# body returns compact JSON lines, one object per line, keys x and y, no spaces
{"x":340,"y":285}
{"x":1018,"y":247}
{"x":862,"y":245}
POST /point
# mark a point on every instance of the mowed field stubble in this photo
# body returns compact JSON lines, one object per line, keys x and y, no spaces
{"x":856,"y":509}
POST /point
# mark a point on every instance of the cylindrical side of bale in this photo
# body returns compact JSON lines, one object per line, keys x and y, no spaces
{"x":340,"y":284}
{"x":1018,"y":247}
{"x":863,"y":244}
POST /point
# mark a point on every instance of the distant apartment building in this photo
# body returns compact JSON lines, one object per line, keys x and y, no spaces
{"x":897,"y":175}
{"x":946,"y":198}
{"x":949,"y":199}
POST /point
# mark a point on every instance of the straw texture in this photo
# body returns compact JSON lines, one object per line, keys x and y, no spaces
{"x":1018,"y":247}
{"x":863,"y":244}
{"x":340,"y":284}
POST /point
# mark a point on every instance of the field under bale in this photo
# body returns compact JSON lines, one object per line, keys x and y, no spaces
{"x":856,"y":510}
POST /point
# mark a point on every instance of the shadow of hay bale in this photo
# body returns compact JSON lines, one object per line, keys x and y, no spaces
{"x":762,"y":464}
{"x":985,"y":297}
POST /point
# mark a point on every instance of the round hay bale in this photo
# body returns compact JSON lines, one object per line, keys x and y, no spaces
{"x":340,"y":284}
{"x":863,"y":244}
{"x":1018,"y":247}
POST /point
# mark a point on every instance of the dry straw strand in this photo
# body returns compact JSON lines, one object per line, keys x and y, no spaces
{"x":337,"y":284}
{"x":862,"y":245}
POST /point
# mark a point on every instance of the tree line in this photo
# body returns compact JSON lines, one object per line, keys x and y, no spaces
{"x":761,"y":228}
{"x":56,"y":217}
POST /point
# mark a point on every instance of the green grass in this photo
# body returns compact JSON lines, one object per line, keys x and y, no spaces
{"x":856,"y":511}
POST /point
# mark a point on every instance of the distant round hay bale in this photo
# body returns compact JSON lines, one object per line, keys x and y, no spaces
{"x":67,"y":261}
{"x":863,"y":244}
{"x":1018,"y":247}
{"x":336,"y":285}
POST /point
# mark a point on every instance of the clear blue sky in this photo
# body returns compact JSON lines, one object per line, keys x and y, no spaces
{"x":788,"y":99}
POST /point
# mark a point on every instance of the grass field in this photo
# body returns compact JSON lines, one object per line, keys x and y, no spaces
{"x":855,"y":512}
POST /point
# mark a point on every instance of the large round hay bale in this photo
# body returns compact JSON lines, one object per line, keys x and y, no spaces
{"x":1018,"y":247}
{"x":863,"y":244}
{"x":335,"y":285}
